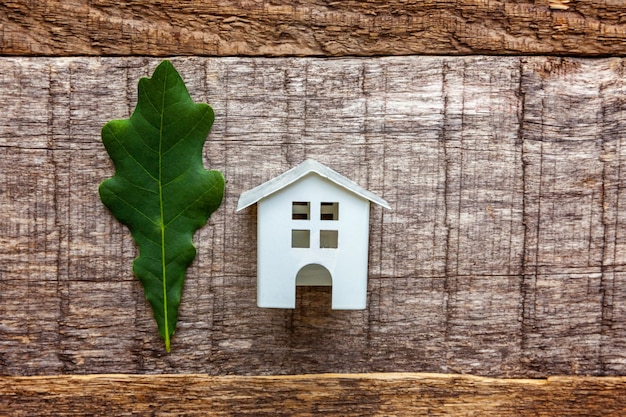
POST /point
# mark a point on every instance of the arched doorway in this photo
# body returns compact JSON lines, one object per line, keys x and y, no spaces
{"x":314,"y":274}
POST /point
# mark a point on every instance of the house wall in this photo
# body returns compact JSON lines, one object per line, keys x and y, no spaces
{"x":278,"y":262}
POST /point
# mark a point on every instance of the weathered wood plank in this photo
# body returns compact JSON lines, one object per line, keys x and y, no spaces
{"x":346,"y":395}
{"x":279,"y":28}
{"x":504,"y":253}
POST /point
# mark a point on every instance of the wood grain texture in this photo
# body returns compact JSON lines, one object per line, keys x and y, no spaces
{"x":311,"y":28}
{"x":309,"y":395}
{"x":503,"y":255}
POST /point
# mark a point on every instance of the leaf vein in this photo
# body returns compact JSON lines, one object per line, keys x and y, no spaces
{"x":119,"y":197}
{"x":132,"y":156}
{"x":181,"y":213}
{"x":191,"y":130}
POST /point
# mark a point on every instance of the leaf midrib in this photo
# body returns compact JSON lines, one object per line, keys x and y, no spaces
{"x":162,"y":219}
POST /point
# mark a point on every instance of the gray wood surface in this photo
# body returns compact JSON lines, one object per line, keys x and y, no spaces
{"x":503,"y":255}
{"x":312,"y":27}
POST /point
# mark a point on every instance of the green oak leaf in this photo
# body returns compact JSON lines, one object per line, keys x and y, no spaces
{"x":160,"y":189}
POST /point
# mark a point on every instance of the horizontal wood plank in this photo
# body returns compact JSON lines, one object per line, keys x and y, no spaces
{"x":310,"y":28}
{"x":504,"y":253}
{"x":308,"y":395}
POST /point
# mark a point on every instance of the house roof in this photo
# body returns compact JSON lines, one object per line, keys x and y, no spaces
{"x":258,"y":193}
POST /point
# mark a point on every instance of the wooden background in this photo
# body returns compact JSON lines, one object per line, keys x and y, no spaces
{"x":504,"y":252}
{"x":312,"y":395}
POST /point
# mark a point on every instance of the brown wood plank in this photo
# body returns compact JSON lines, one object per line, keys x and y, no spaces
{"x":503,"y":253}
{"x":308,"y":395}
{"x":310,"y":28}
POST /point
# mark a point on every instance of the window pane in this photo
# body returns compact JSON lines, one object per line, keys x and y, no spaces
{"x":328,"y":239}
{"x":329,"y":211}
{"x":300,"y":210}
{"x":300,"y":238}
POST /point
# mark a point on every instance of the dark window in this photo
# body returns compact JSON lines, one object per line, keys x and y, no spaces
{"x":329,"y":211}
{"x":300,"y":210}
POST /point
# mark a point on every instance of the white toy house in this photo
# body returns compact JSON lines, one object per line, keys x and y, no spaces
{"x":313,"y":229}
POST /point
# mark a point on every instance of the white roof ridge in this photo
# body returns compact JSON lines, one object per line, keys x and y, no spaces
{"x":287,"y":178}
